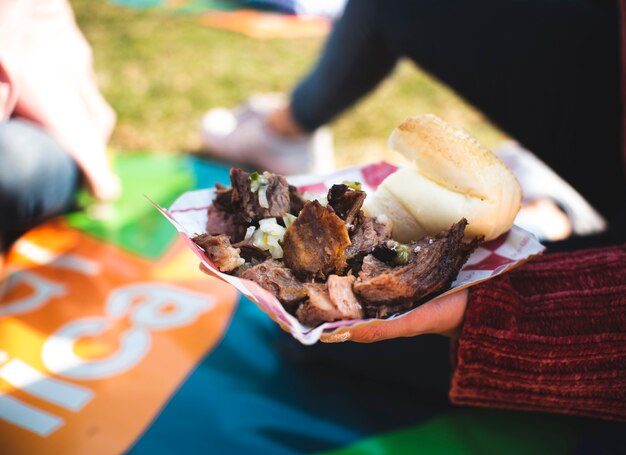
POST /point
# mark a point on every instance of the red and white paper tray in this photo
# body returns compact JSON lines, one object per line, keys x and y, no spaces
{"x":189,"y":215}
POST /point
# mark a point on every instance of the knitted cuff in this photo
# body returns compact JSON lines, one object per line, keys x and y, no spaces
{"x":550,"y":336}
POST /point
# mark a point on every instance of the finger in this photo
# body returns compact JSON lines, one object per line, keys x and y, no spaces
{"x":446,"y":313}
{"x":409,"y":325}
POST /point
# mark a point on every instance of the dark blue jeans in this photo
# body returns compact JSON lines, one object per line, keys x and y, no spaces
{"x":545,"y":71}
{"x":38,"y":178}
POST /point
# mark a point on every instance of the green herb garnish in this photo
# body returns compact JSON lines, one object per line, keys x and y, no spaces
{"x":403,"y":253}
{"x":356,"y":186}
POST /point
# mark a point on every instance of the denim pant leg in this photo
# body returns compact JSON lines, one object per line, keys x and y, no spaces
{"x":38,"y":178}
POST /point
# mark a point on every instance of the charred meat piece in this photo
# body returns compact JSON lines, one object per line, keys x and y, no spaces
{"x":219,"y":251}
{"x":318,"y":308}
{"x":296,"y":201}
{"x":367,"y":236}
{"x":331,"y":302}
{"x":347,"y":203}
{"x":393,"y":252}
{"x":222,"y":222}
{"x":436,"y":262}
{"x":249,"y":202}
{"x":385,"y":310}
{"x":314,"y":245}
{"x":273,"y":276}
{"x":373,"y":267}
{"x":342,"y":296}
{"x":223,"y":198}
{"x":250,"y":252}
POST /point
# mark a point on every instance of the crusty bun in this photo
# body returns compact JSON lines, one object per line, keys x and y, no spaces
{"x":453,"y":176}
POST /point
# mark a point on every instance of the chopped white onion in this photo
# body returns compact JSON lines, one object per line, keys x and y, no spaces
{"x":249,"y":233}
{"x":268,"y":237}
{"x":263,"y":202}
{"x":288,"y":219}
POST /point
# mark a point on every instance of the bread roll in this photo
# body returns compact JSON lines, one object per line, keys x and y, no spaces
{"x":452,"y":176}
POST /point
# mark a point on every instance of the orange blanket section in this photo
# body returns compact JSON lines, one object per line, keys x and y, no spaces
{"x":264,"y":25}
{"x":95,"y":340}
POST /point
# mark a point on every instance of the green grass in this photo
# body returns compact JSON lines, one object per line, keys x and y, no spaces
{"x":161,"y":71}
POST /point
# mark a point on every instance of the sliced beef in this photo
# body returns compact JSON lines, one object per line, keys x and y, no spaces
{"x":329,"y":302}
{"x":434,"y":264}
{"x":373,"y":267}
{"x":296,"y":201}
{"x":342,"y":296}
{"x":367,"y":236}
{"x":250,"y":252}
{"x":318,"y":308}
{"x":223,"y":198}
{"x":314,"y":245}
{"x":347,"y":203}
{"x":219,"y":251}
{"x":273,"y":276}
{"x":247,"y":203}
{"x":222,"y":222}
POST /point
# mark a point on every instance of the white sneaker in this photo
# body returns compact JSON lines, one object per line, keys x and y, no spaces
{"x":241,"y":135}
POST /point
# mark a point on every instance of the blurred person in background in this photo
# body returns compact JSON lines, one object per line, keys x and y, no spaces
{"x":546,"y":72}
{"x":54,"y":123}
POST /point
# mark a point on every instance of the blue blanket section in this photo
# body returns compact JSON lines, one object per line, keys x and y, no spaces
{"x":208,"y":172}
{"x":262,"y":392}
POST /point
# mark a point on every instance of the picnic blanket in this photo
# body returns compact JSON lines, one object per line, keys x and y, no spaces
{"x":261,"y":19}
{"x":112,"y":341}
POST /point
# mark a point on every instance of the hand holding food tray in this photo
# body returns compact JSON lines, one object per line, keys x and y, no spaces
{"x":322,"y":255}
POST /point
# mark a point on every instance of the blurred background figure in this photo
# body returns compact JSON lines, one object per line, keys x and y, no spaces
{"x":545,"y":72}
{"x":54,"y":124}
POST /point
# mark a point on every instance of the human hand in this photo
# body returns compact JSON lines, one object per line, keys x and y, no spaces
{"x":106,"y":186}
{"x":442,"y":316}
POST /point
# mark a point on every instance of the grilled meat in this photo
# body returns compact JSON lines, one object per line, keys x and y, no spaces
{"x":219,"y":251}
{"x":222,"y":222}
{"x":273,"y":276}
{"x":367,"y":236}
{"x":314,"y":245}
{"x":435,"y":262}
{"x":247,"y":202}
{"x":347,"y":203}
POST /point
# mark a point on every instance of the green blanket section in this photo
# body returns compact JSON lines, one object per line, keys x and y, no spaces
{"x":476,"y":432}
{"x":132,"y":223}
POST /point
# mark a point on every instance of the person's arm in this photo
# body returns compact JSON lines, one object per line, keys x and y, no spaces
{"x":13,"y":16}
{"x":549,"y":336}
{"x":57,"y":90}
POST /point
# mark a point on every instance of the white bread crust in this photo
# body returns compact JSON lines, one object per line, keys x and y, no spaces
{"x":453,"y":176}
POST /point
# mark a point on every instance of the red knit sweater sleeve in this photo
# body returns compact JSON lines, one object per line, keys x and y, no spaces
{"x":549,"y":336}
